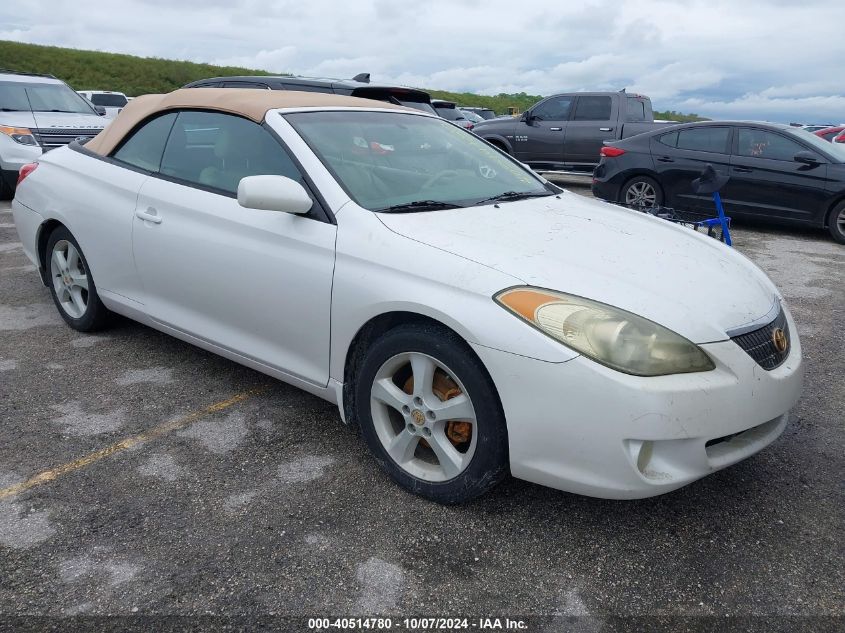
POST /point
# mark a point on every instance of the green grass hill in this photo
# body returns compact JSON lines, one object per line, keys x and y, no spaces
{"x":94,"y":70}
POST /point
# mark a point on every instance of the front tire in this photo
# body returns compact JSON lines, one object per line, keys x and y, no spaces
{"x":72,"y":285}
{"x":641,"y":192}
{"x":836,"y":223}
{"x":430,"y":414}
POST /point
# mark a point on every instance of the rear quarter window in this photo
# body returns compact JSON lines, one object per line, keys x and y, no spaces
{"x":593,"y":109}
{"x":704,"y":139}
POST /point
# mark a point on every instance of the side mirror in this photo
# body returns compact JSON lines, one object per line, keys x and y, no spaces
{"x":100,"y":110}
{"x":808,"y":158}
{"x":527,"y":117}
{"x":273,"y":193}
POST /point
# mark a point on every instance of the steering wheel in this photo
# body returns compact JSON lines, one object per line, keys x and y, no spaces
{"x":486,"y":171}
{"x":440,"y":175}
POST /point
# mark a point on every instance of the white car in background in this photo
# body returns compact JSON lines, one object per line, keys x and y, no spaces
{"x":469,"y":317}
{"x":38,"y":113}
{"x":113,"y":102}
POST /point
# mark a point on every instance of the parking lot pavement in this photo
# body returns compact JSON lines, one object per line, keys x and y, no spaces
{"x":177,"y":482}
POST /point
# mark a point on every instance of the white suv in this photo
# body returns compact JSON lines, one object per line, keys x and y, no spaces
{"x":113,"y":102}
{"x":37,"y":114}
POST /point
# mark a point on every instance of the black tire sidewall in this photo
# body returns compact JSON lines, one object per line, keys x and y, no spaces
{"x":490,"y":461}
{"x":96,"y":314}
{"x":658,"y":190}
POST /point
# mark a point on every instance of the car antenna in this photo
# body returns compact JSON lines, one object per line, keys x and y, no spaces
{"x":364,"y":78}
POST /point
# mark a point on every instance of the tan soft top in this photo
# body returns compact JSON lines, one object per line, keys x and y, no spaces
{"x":250,"y":103}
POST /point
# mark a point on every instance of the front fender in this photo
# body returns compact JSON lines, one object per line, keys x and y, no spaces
{"x":497,"y":140}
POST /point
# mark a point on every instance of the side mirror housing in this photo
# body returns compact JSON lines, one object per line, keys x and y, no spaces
{"x":807,"y":158}
{"x":273,"y":193}
{"x":527,"y":117}
{"x":100,"y":110}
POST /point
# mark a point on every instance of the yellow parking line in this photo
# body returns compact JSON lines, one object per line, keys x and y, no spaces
{"x":155,"y":432}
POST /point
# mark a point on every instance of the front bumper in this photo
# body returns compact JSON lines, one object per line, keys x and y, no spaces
{"x":582,"y":427}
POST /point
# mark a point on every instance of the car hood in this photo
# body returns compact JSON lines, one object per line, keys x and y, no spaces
{"x":688,"y":282}
{"x":69,"y":120}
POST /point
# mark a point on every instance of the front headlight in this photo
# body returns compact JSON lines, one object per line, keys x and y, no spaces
{"x":613,"y":337}
{"x":22,"y":135}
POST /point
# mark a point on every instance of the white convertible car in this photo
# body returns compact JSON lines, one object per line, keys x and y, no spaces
{"x":470,"y":317}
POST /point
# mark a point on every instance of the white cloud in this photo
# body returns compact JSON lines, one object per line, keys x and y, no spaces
{"x":774,"y":59}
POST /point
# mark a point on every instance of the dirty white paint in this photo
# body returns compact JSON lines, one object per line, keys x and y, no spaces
{"x":21,"y":527}
{"x":380,"y":586}
{"x":235,"y":503}
{"x":153,"y":375}
{"x":8,"y":364}
{"x":161,"y":466}
{"x":75,"y":421}
{"x":219,"y":436}
{"x":304,"y":469}
{"x":87,"y":341}
{"x":16,"y":318}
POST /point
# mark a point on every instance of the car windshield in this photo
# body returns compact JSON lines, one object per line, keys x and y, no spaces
{"x":107,"y":99}
{"x":471,"y":116}
{"x":388,"y":159}
{"x":41,"y":97}
{"x":417,"y":105}
{"x":450,"y":113}
{"x":836,"y":150}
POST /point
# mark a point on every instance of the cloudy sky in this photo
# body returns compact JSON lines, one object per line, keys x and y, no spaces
{"x":779,"y":60}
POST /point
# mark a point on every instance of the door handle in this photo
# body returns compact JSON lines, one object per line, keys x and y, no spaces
{"x":555,"y":129}
{"x":605,"y":129}
{"x":150,"y":215}
{"x":743,"y":170}
{"x":666,"y":159}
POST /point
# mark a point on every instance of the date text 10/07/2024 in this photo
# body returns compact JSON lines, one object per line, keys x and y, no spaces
{"x":418,"y":624}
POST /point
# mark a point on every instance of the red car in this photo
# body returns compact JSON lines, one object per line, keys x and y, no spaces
{"x":831,"y":133}
{"x":840,"y":138}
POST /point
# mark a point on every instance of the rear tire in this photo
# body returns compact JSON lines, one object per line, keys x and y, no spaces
{"x":641,"y":192}
{"x":71,"y":283}
{"x":836,"y":223}
{"x":411,"y":383}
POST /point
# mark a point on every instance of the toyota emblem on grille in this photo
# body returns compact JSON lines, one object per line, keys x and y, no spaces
{"x":779,"y":339}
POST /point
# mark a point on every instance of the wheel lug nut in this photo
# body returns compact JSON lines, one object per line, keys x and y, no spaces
{"x":418,"y":401}
{"x":427,"y":432}
{"x":406,"y":409}
{"x":410,"y":427}
{"x":430,"y":415}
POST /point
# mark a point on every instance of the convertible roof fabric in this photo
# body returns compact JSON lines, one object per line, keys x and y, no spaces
{"x":250,"y":103}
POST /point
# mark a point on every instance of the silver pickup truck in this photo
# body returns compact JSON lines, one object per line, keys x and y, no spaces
{"x":565,"y":132}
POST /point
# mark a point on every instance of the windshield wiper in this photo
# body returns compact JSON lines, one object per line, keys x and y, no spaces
{"x":419,"y":205}
{"x":12,"y":110}
{"x":65,"y":111}
{"x":514,"y":195}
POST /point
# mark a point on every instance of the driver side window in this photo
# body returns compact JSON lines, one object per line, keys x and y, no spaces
{"x":215,"y":150}
{"x":554,"y":109}
{"x":756,"y":143}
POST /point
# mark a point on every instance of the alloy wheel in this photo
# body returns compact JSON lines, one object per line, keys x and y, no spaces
{"x":640,"y":194}
{"x":70,"y":280}
{"x":423,"y":417}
